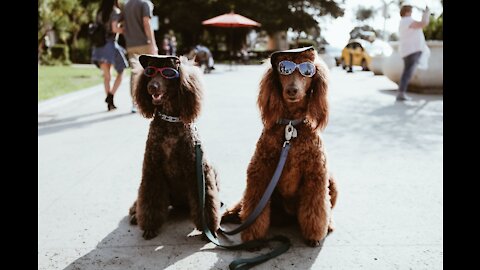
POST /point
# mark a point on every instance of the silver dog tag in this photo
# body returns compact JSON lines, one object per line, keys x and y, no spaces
{"x":290,"y":132}
{"x":294,"y":134}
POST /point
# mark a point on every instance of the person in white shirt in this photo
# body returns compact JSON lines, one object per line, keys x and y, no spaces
{"x":412,"y":42}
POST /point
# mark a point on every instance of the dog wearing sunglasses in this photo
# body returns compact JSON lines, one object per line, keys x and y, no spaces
{"x":292,"y":91}
{"x":169,"y":91}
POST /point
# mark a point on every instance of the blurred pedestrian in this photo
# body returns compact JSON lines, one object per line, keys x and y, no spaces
{"x":165,"y":46}
{"x":412,"y":43}
{"x":139,"y":36}
{"x":111,"y":53}
{"x":203,"y":57}
{"x":173,"y":45}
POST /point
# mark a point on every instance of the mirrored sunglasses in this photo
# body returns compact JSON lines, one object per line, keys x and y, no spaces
{"x":166,"y":72}
{"x":307,"y":69}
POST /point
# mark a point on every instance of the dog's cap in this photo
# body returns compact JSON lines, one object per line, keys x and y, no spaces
{"x":156,"y":60}
{"x":297,"y":50}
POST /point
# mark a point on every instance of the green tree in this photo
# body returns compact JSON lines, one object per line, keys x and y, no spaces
{"x":434,"y":29}
{"x":278,"y":15}
{"x":54,"y":15}
{"x":364,"y":13}
{"x":185,"y":17}
{"x":300,"y":16}
{"x":65,"y":18}
{"x":362,"y":32}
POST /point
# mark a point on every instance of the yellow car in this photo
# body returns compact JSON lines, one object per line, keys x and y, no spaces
{"x":355,"y":54}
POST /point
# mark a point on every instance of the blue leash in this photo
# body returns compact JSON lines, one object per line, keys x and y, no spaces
{"x":247,"y":263}
{"x":242,"y":263}
{"x":266,"y":195}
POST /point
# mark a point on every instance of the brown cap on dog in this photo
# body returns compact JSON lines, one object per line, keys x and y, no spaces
{"x":157,"y":60}
{"x":297,"y":50}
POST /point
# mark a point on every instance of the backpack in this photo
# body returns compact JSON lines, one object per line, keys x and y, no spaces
{"x":97,"y":34}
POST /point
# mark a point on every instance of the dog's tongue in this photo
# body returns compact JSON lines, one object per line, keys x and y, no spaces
{"x":156,"y":97}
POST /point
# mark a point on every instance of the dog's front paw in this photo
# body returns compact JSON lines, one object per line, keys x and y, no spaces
{"x":133,"y":220}
{"x":231,"y":217}
{"x":313,"y":242}
{"x":149,"y":234}
{"x":251,"y":247}
{"x":204,"y":236}
{"x":214,"y":232}
{"x":248,"y":235}
{"x":132,"y":212}
{"x":331,"y":227}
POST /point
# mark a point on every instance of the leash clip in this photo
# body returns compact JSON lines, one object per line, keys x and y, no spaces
{"x":290,"y":132}
{"x":195,"y":135}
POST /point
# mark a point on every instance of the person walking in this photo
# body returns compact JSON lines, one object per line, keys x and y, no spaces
{"x":203,"y":56}
{"x":165,"y":50}
{"x":139,"y":36}
{"x":411,"y":45}
{"x":173,"y":44}
{"x":111,"y":53}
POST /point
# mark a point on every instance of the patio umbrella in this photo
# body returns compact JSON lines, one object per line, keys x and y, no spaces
{"x":231,"y":20}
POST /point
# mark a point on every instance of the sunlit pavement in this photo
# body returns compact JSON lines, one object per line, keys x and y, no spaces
{"x":387,"y":158}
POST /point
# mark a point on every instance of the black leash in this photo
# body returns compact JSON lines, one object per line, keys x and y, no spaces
{"x":247,"y":263}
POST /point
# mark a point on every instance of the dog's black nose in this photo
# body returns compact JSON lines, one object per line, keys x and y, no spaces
{"x":153,"y":86}
{"x":292,"y":91}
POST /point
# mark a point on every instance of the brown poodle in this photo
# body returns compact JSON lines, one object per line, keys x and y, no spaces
{"x":169,"y":91}
{"x":306,"y":192}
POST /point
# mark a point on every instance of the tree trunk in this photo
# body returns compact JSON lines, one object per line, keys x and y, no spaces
{"x":41,"y":42}
{"x":75,"y":38}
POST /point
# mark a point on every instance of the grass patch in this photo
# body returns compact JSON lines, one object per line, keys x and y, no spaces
{"x":54,"y":81}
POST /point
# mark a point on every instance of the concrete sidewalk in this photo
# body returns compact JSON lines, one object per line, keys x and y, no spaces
{"x":387,"y":157}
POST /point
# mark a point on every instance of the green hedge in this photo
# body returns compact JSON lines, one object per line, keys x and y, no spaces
{"x":81,"y":51}
{"x":58,"y":54}
{"x":434,"y":29}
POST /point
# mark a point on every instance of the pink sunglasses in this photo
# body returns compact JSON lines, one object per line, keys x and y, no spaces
{"x":166,"y":72}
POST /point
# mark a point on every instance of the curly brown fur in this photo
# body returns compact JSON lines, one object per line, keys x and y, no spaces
{"x":306,"y":192}
{"x":168,"y":174}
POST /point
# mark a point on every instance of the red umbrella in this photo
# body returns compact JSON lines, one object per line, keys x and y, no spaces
{"x":231,"y":20}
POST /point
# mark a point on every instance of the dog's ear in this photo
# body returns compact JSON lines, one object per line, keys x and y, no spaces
{"x":269,"y":98}
{"x":142,"y":98}
{"x":191,"y":90}
{"x":317,"y":112}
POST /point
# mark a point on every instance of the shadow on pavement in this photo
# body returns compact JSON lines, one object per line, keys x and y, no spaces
{"x":54,"y":121}
{"x":124,"y":247}
{"x":384,"y":126}
{"x":75,"y":122}
{"x":415,"y":96}
{"x":174,"y":248}
{"x":299,"y":256}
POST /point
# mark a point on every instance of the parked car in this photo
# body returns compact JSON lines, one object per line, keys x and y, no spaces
{"x":355,"y":54}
